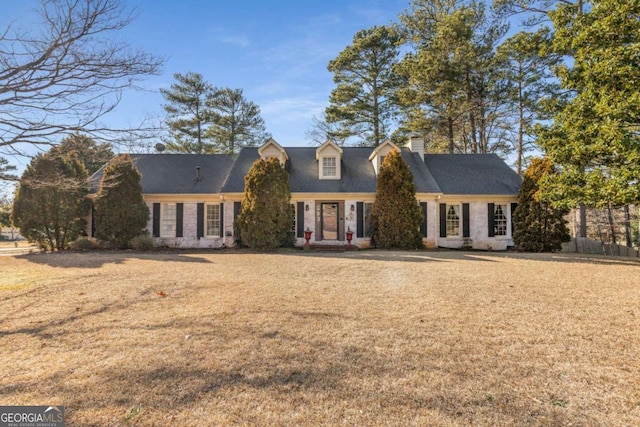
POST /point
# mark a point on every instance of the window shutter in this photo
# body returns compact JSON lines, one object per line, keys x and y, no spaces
{"x":360,"y":219}
{"x":221,"y":219}
{"x":300,"y":219}
{"x":200,"y":220}
{"x":465,"y":220}
{"x":491,"y":228}
{"x":179,"y":216}
{"x":156,"y":220}
{"x":423,"y":224}
{"x":237,"y":206}
{"x":93,"y":220}
{"x":513,"y":209}
{"x":443,"y":220}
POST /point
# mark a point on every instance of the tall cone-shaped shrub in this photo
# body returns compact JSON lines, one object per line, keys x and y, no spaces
{"x":120,"y":211}
{"x":51,"y":200}
{"x":538,"y":226}
{"x":396,"y":214}
{"x":265,"y":216}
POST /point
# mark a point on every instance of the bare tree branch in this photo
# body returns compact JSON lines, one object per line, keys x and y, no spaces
{"x":67,"y":76}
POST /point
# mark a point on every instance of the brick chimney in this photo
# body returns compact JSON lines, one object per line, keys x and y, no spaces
{"x":416,"y":145}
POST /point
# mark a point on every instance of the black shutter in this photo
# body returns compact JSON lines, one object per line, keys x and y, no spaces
{"x":423,"y":224}
{"x":221,"y":219}
{"x":93,"y":220}
{"x":360,"y":219}
{"x":443,"y":220}
{"x":156,"y":220}
{"x":179,"y":216}
{"x":200,"y":220}
{"x":513,"y":209}
{"x":465,"y":220}
{"x":490,"y":219}
{"x":237,"y":206}
{"x":300,"y":219}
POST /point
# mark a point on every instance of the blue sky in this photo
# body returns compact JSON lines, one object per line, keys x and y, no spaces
{"x":276,"y":51}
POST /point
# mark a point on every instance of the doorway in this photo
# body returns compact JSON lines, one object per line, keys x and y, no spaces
{"x":329,"y":221}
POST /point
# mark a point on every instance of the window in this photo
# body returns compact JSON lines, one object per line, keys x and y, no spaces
{"x":453,"y":220}
{"x":329,"y":167}
{"x":213,"y":221}
{"x":500,"y":220}
{"x":168,"y":220}
{"x":367,"y":219}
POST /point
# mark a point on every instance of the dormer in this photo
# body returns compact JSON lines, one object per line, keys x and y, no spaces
{"x":329,"y":157}
{"x":379,"y":153}
{"x":272,"y":149}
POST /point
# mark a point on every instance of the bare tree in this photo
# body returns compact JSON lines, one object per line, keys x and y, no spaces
{"x":67,"y":74}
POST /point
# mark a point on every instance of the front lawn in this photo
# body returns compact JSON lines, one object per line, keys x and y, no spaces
{"x":296,"y":338}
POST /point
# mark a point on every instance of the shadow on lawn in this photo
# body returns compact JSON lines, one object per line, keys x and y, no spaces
{"x":418,"y":256}
{"x":97,"y":259}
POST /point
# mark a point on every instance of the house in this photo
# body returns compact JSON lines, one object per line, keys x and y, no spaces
{"x":467,"y":199}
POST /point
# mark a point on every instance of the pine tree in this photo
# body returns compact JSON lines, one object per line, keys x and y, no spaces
{"x":265,"y":216}
{"x":594,"y":137}
{"x":51,"y":200}
{"x":363,"y":101}
{"x":188,"y":116}
{"x":236,"y":121}
{"x":396,"y":214}
{"x":120,"y":211}
{"x":538,"y":226}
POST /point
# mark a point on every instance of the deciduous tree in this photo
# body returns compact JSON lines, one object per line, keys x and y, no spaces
{"x":68,"y":71}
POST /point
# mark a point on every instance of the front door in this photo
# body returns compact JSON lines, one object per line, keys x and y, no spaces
{"x":329,"y":219}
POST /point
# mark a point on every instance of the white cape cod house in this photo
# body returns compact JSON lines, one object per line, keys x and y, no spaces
{"x":467,"y":199}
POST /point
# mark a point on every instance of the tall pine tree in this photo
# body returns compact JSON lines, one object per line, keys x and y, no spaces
{"x":363,"y":102}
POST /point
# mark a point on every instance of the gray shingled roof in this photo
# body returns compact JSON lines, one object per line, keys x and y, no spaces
{"x":176,"y":173}
{"x":472,"y":174}
{"x":221,"y":173}
{"x":357,"y":173}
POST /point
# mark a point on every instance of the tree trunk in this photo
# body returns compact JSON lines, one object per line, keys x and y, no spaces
{"x":612,"y":227}
{"x":450,"y":129}
{"x":519,"y":148}
{"x":627,"y":226}
{"x":583,"y":221}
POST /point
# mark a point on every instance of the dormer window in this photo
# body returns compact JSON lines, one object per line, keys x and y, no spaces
{"x":329,"y":157}
{"x":272,"y":149}
{"x":329,"y":167}
{"x":379,"y":153}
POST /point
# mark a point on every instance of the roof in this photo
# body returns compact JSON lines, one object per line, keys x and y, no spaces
{"x":461,"y":174}
{"x":472,"y":174}
{"x":357,"y":173}
{"x":177,"y":173}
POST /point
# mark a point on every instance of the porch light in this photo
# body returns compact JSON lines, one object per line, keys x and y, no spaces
{"x":306,"y":207}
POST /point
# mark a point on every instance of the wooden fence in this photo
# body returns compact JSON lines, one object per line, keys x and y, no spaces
{"x":585,"y":245}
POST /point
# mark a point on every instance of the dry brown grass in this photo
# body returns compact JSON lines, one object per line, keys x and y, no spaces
{"x":367,"y":338}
